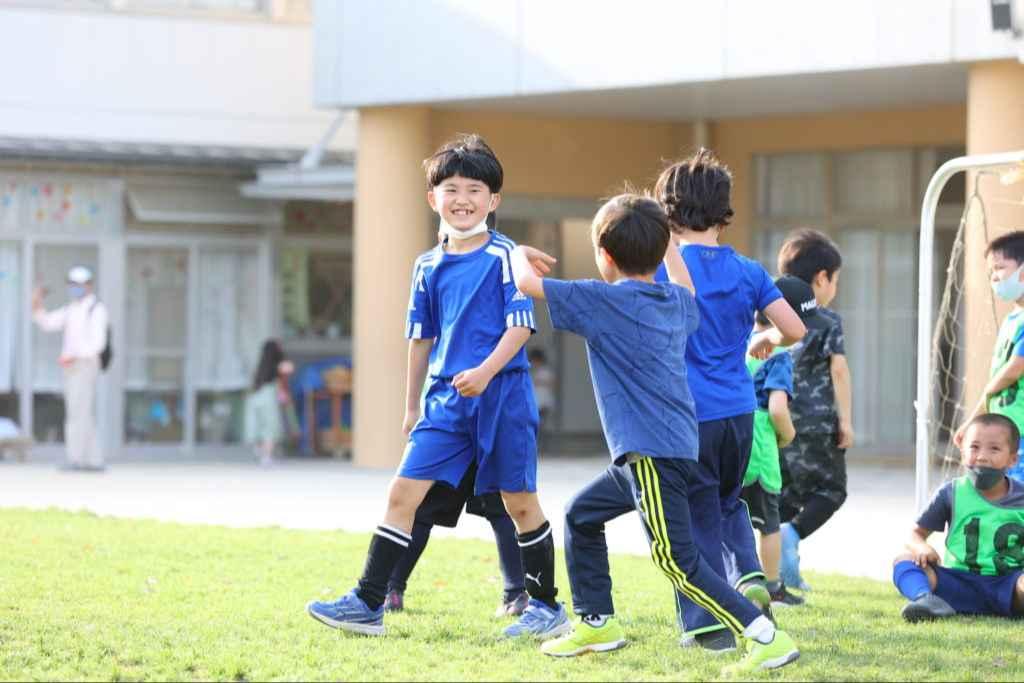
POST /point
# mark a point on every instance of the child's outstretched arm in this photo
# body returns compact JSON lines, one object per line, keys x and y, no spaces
{"x":416,"y":374}
{"x":843,"y":387}
{"x":676,"y":268}
{"x":787,"y":328}
{"x":529,"y":266}
{"x":1007,"y":377}
{"x":782,"y":420}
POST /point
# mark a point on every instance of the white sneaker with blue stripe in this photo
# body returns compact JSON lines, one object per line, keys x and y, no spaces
{"x":540,"y":621}
{"x":349,"y":613}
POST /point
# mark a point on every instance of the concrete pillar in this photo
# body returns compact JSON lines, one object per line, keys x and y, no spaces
{"x":392,"y":227}
{"x":995,"y":123}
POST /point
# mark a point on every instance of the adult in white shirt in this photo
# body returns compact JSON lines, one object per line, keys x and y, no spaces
{"x":84,"y":323}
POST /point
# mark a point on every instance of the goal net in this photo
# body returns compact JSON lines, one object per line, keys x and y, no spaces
{"x":944,"y":358}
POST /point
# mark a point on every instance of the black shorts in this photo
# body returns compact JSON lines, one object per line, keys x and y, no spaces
{"x":443,"y":505}
{"x":763,"y":508}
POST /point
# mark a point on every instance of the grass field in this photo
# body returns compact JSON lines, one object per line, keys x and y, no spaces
{"x":83,"y":597}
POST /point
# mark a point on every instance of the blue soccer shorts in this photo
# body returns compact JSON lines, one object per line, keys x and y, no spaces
{"x":970,"y":593}
{"x":497,"y":430}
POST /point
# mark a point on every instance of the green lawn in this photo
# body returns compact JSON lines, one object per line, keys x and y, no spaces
{"x":83,"y":597}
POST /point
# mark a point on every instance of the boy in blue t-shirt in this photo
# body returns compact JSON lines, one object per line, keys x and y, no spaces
{"x":730,"y":289}
{"x":467,"y":326}
{"x":637,"y":332}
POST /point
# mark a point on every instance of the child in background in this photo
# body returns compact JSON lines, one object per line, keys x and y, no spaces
{"x":265,"y":423}
{"x":983,"y":516}
{"x":543,"y":384}
{"x":637,"y":331}
{"x":814,"y":465}
{"x":773,"y":428}
{"x":1004,"y":393}
{"x":730,"y":288}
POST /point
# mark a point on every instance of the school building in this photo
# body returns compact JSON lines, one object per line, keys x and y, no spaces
{"x":145,"y":139}
{"x":831,"y":114}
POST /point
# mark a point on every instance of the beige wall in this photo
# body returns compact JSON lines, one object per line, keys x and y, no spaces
{"x":737,"y":141}
{"x":995,"y":123}
{"x":392,"y":228}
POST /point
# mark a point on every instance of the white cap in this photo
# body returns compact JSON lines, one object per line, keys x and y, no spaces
{"x":80,"y":275}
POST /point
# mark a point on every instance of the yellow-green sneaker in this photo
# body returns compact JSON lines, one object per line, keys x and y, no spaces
{"x":586,"y":638}
{"x":778,"y":653}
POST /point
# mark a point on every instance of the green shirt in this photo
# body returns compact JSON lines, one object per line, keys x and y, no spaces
{"x":984,"y":537}
{"x":1009,"y":401}
{"x":764,"y":453}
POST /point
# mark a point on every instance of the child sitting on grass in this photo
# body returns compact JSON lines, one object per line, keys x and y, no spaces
{"x":983,"y":514}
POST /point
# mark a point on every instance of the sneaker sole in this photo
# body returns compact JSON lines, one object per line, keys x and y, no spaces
{"x":782,"y":661}
{"x":914,"y":614}
{"x":559,"y":630}
{"x":362,"y":629}
{"x":786,"y":605}
{"x":597,"y":647}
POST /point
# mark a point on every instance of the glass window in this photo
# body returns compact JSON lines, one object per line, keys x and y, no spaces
{"x":874,"y":182}
{"x":316,"y":293}
{"x":11,"y":305}
{"x":315,"y":276}
{"x":228,"y":340}
{"x":792,"y":185}
{"x":156,"y":324}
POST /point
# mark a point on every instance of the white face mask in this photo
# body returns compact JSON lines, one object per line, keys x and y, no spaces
{"x":1011,"y":288}
{"x":450,"y":232}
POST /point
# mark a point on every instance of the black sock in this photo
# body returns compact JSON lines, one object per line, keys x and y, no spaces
{"x":386,"y":549}
{"x":403,"y":570}
{"x":538,"y":551}
{"x":509,"y":557}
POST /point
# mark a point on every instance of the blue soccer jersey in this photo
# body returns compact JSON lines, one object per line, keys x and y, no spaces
{"x":730,"y":289}
{"x":466,"y":302}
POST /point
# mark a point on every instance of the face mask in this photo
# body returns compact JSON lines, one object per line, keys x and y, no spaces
{"x":76,"y":291}
{"x":985,"y":478}
{"x":450,"y":232}
{"x":1011,"y":288}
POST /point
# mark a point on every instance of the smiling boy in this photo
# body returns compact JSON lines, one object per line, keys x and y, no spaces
{"x":983,"y":516}
{"x":466,"y":326}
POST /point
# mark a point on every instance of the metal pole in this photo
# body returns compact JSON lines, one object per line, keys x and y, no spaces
{"x":924,"y":302}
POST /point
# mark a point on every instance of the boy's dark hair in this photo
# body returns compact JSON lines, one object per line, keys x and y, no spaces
{"x":695,"y":192}
{"x":467,"y":156}
{"x":995,"y":419}
{"x":806,"y":252}
{"x":1009,"y":246}
{"x":761,"y":319}
{"x":634,"y":231}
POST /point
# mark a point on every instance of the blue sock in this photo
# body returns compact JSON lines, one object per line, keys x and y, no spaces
{"x":910,"y":580}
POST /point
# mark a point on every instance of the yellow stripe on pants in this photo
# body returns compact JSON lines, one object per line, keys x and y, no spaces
{"x":661,"y":548}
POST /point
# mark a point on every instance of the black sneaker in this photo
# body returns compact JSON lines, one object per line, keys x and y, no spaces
{"x":926,"y":608}
{"x":783,"y":598}
{"x":715,"y":642}
{"x":514,"y":607}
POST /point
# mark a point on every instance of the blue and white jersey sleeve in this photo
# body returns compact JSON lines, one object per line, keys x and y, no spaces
{"x":518,"y":307}
{"x":420,"y":322}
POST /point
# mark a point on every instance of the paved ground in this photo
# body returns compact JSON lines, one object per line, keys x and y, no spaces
{"x":303,"y":494}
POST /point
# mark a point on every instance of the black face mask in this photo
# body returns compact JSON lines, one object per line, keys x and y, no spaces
{"x":985,"y":478}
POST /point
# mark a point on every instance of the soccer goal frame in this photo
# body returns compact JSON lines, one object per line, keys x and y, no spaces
{"x":929,"y":206}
